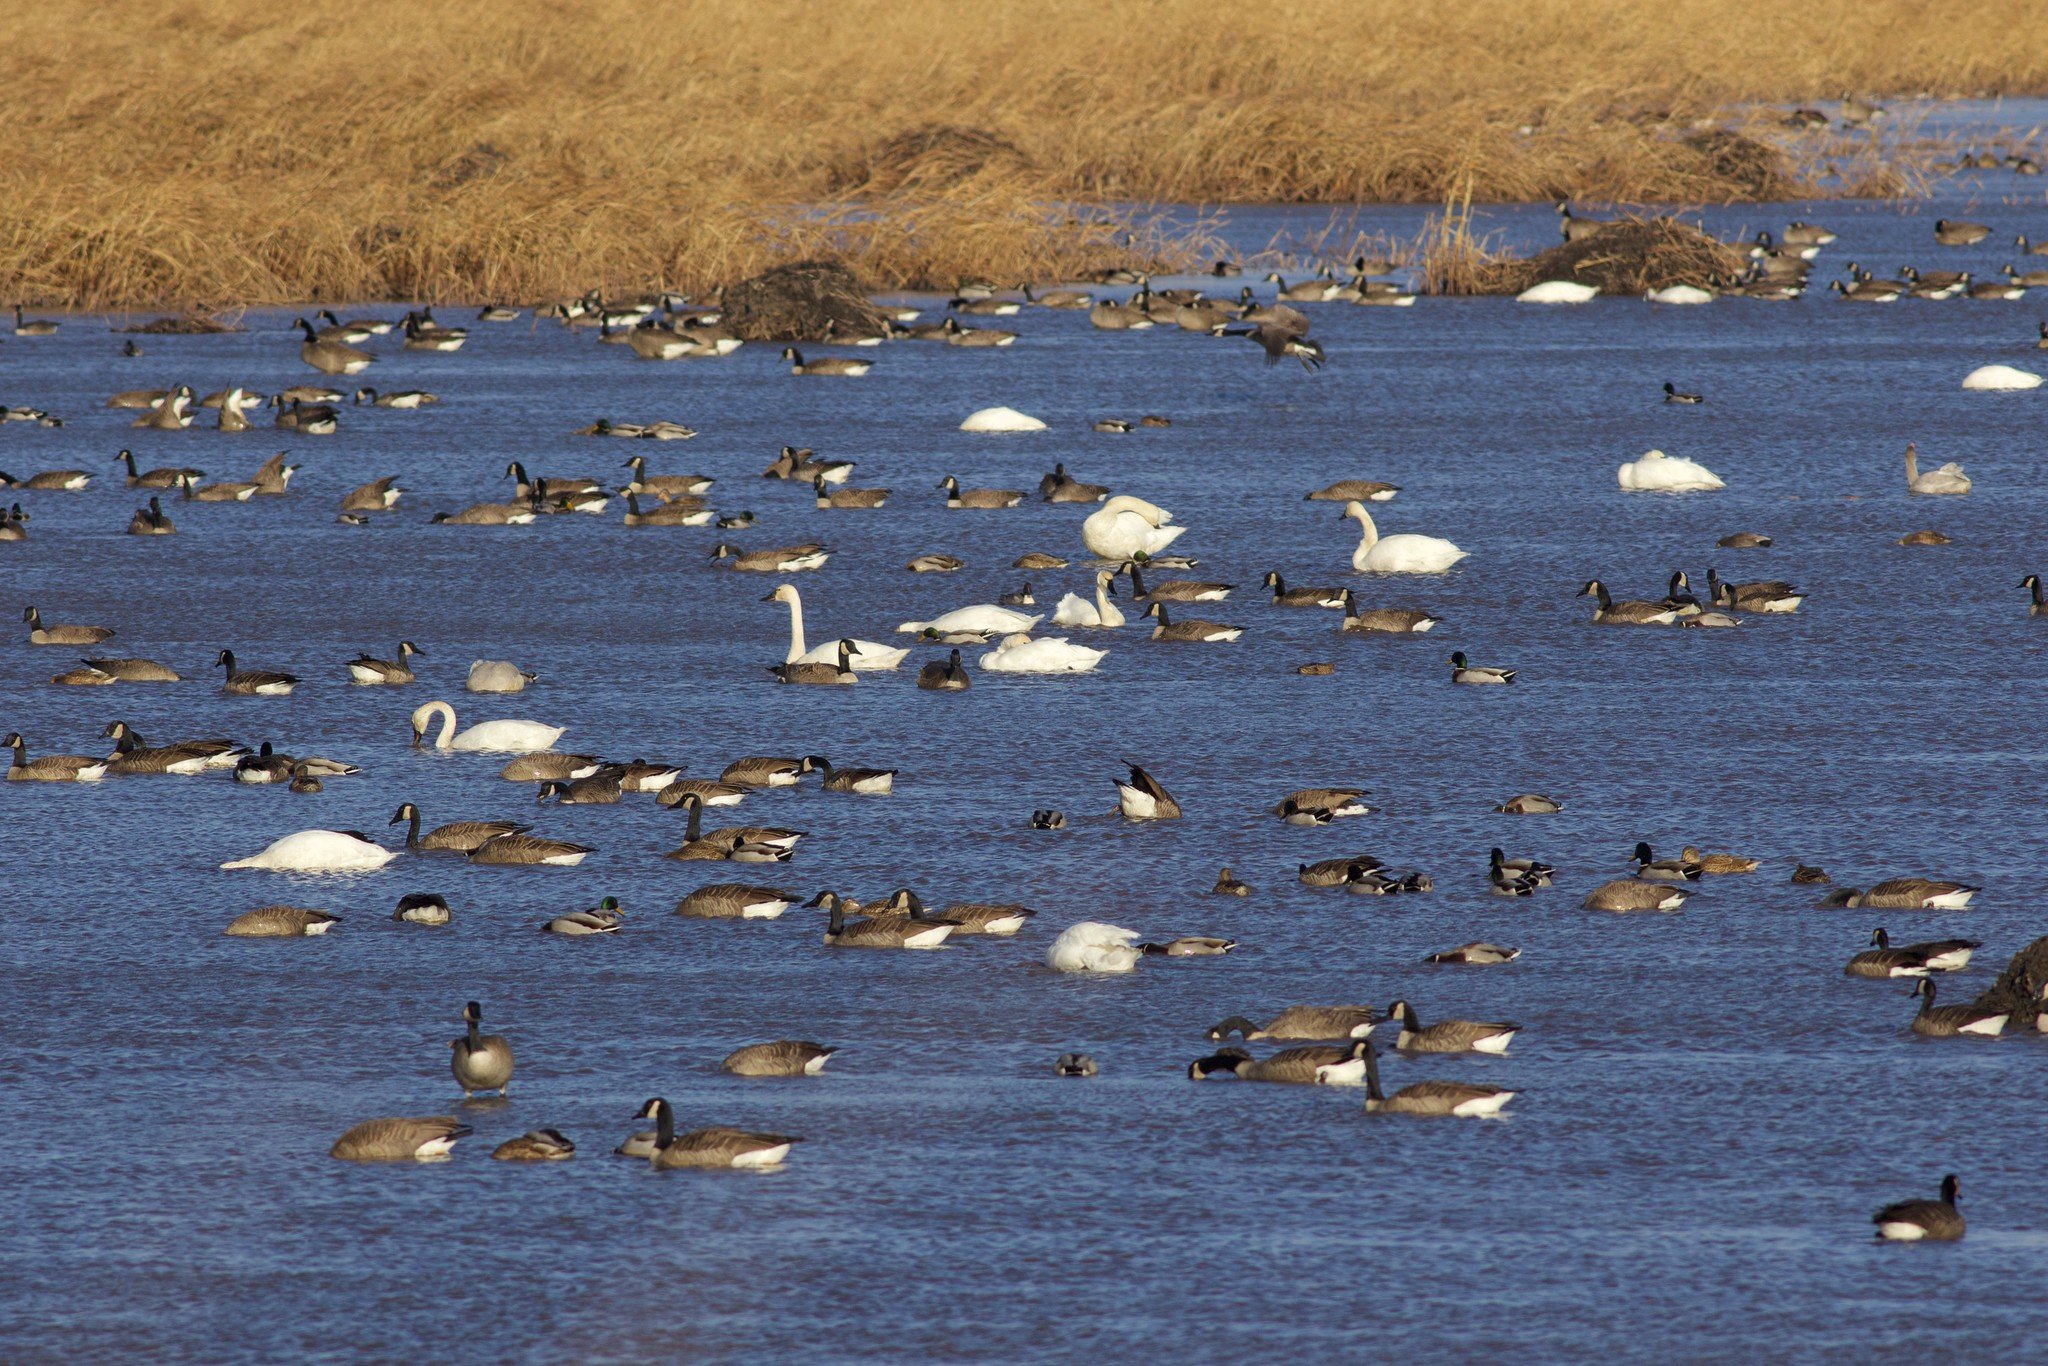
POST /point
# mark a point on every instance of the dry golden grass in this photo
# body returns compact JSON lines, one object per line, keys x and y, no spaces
{"x":170,"y":151}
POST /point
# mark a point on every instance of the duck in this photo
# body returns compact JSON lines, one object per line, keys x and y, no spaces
{"x":535,"y":1145}
{"x":839,"y":673}
{"x":1629,"y":611}
{"x":936,"y":564}
{"x":887,"y":931}
{"x":1509,"y":880}
{"x":480,"y":1061}
{"x":369,"y":671}
{"x":40,"y":634}
{"x":781,"y":1058}
{"x":1907,"y":894}
{"x":1885,"y":959}
{"x":1656,"y":472}
{"x":1189,"y":946}
{"x":51,"y":768}
{"x":1283,"y":596}
{"x":280,"y":922}
{"x":1405,"y":553}
{"x":736,"y":844}
{"x":1302,"y":1022}
{"x":1464,"y":1100}
{"x":716,"y":1147}
{"x":422,"y":908}
{"x":1913,"y":1221}
{"x":1102,"y":614}
{"x":947,"y":675}
{"x":794,"y":559}
{"x":318,"y":851}
{"x":605,"y":918}
{"x":1529,"y":804}
{"x":1633,"y":894}
{"x":1949,"y":479}
{"x":1479,"y":953}
{"x":1652,"y":869}
{"x":1143,"y":798}
{"x":1309,"y":1065}
{"x":865,"y":655}
{"x":1719,"y":865}
{"x":1463,"y":671}
{"x":1743,"y":540}
{"x":1126,"y":527}
{"x":521,"y":850}
{"x":1228,"y":884}
{"x":1385,"y":620}
{"x":1074,"y":1065}
{"x":1944,"y":1022}
{"x":1197,"y":631}
{"x":981,"y":618}
{"x":1094,"y":946}
{"x":1048,"y":818}
{"x":427,"y":1139}
{"x":736,"y":901}
{"x":486,"y":737}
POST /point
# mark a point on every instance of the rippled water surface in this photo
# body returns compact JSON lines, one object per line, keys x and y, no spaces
{"x":1710,"y":1109}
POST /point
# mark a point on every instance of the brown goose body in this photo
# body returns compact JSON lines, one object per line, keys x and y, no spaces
{"x":400,"y":1140}
{"x":279,"y":922}
{"x":782,"y":1058}
{"x":1303,"y":1022}
{"x":1449,"y":1036}
{"x":480,"y":1061}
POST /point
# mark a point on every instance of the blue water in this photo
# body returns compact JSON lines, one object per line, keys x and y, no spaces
{"x":1709,"y":1111}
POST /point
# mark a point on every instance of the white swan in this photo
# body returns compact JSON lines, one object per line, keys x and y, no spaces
{"x":1557,"y":292}
{"x":319,"y":851}
{"x":1679,"y":294}
{"x":1403,"y":554}
{"x":1092,"y":946}
{"x":497,"y":675}
{"x":983,"y":617}
{"x":1657,"y":472}
{"x":496,"y":737}
{"x":867,"y":654}
{"x":1075,"y":610}
{"x":1020,"y":654}
{"x":1001,"y":420}
{"x":1996,"y":378}
{"x":1126,"y":527}
{"x":1948,"y":479}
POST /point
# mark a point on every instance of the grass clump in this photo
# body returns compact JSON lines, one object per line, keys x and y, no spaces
{"x":1627,"y":256}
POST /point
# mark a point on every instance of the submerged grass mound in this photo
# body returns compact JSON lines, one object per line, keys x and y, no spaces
{"x":1626,"y":257}
{"x":165,"y":151}
{"x":795,"y":303}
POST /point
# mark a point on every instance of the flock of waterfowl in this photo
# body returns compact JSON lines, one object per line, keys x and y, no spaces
{"x":1123,"y":548}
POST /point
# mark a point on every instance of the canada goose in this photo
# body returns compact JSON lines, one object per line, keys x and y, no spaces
{"x":481,"y":1062}
{"x":1384,"y":620}
{"x":488,"y":514}
{"x":785,"y":560}
{"x":280,"y":922}
{"x":1302,"y":1022}
{"x":1772,"y":595}
{"x":1061,"y":487}
{"x":172,"y":415}
{"x":737,"y":844}
{"x":1948,"y":479}
{"x":1628,"y":612}
{"x":1465,"y":1100}
{"x":830,"y":365}
{"x":802,"y":465}
{"x":736,"y":901}
{"x":1227,"y":884}
{"x":138,"y":398}
{"x":764,"y":771}
{"x":1477,"y":953}
{"x":1957,"y":233}
{"x":1633,"y":894}
{"x":605,"y":918}
{"x":996,"y":918}
{"x":48,"y":481}
{"x":829,"y":498}
{"x":32,"y":327}
{"x":371,"y":672}
{"x":839,"y":674}
{"x":936,"y":564}
{"x":1530,"y":804}
{"x":375,"y":496}
{"x":1802,"y":234}
{"x":1038,"y":559}
{"x":269,"y":766}
{"x":947,"y":675}
{"x":167,"y":477}
{"x":547,"y":767}
{"x":1650,"y":868}
{"x":1335,"y":872}
{"x":1279,"y":340}
{"x":956,"y":335}
{"x":1448,"y":1036}
{"x":1321,"y":805}
{"x":1743,"y":540}
{"x":1463,"y":671}
{"x":666,"y":487}
{"x":273,"y":477}
{"x":521,"y":850}
{"x":1173,"y":590}
{"x":1112,"y":316}
{"x":422,"y":908}
{"x":132,"y":756}
{"x":1912,"y":1221}
{"x":1283,"y":596}
{"x":51,"y":768}
{"x":328,"y":356}
{"x":1199,"y":631}
{"x":225,"y":492}
{"x":1717,"y":864}
{"x":1354,"y":491}
{"x":422,"y":333}
{"x":716,"y":1147}
{"x":1674,"y":395}
{"x":1575,"y":229}
{"x":252,"y":682}
{"x":2032,"y":279}
{"x":2038,"y":606}
{"x":1906,"y":894}
{"x":602,"y":788}
{"x":957,"y":497}
{"x":39,"y":634}
{"x":868,"y":781}
{"x":1996,"y":290}
{"x":782,"y":1058}
{"x":400,"y":1140}
{"x":134,"y":670}
{"x":1886,"y":959}
{"x":1074,"y":1065}
{"x":1143,"y":799}
{"x":884,"y":931}
{"x":84,"y":676}
{"x":1944,"y":1022}
{"x":677,"y":512}
{"x":151,"y":521}
{"x":1310,"y":1065}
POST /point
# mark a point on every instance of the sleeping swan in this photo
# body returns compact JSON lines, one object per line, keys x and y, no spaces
{"x":867,"y":654}
{"x":496,"y":737}
{"x":1092,"y":946}
{"x":1125,"y":527}
{"x":319,"y":851}
{"x":983,"y":617}
{"x":1020,"y":654}
{"x":1075,"y":610}
{"x":1657,"y":472}
{"x":1403,"y":554}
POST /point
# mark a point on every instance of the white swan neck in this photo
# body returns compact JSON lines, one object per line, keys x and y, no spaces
{"x":796,"y":625}
{"x":446,"y":740}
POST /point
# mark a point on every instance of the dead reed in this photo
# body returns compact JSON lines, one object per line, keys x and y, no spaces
{"x":233,"y":151}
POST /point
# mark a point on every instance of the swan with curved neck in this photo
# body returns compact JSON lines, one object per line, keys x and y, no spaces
{"x":867,"y":654}
{"x":1125,"y":527}
{"x":1074,"y":610}
{"x":1406,"y":553}
{"x":1948,"y":479}
{"x":501,"y":737}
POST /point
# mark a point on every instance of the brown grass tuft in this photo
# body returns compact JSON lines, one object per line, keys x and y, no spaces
{"x":1628,"y":256}
{"x":796,"y":302}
